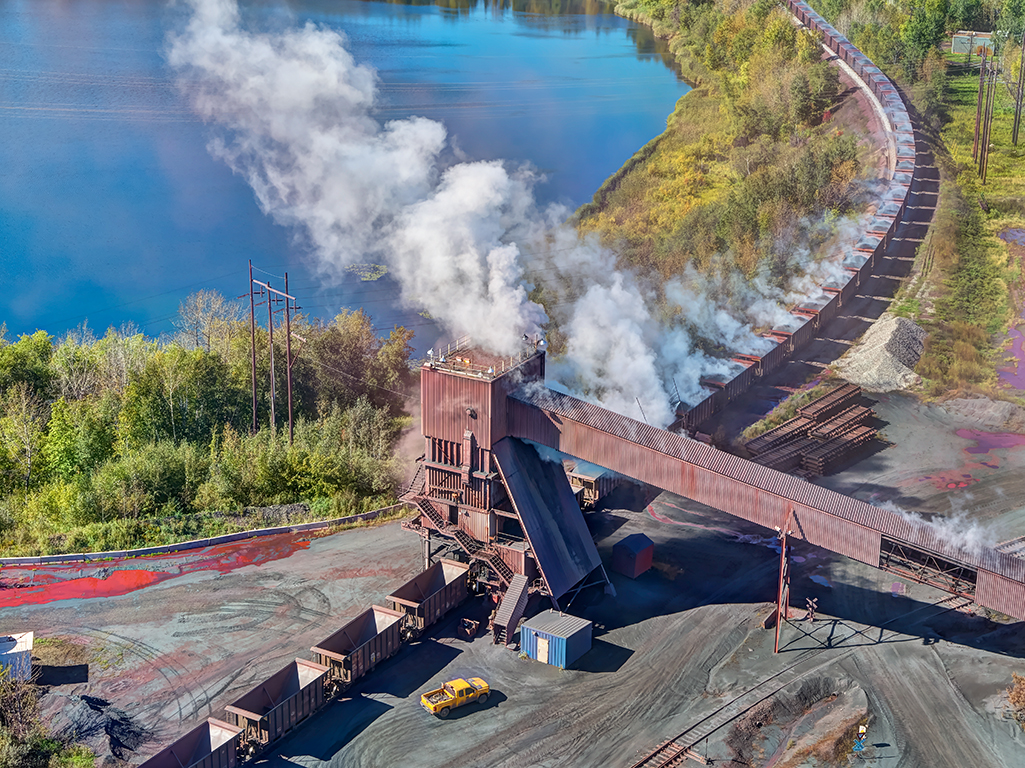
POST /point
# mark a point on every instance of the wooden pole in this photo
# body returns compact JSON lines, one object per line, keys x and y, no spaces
{"x":978,"y":105}
{"x":288,"y":359}
{"x":783,"y":593}
{"x":270,"y":330}
{"x":1021,"y":93}
{"x":252,"y":338}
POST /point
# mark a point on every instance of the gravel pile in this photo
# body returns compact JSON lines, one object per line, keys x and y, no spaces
{"x":992,"y":414}
{"x":885,"y":358}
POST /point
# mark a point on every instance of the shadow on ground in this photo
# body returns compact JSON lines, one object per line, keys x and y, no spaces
{"x":51,"y":675}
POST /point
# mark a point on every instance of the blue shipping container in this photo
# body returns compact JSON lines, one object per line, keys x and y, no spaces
{"x":555,"y":638}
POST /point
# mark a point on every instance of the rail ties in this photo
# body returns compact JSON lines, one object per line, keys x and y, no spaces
{"x":843,"y":422}
{"x":830,"y":404}
{"x":677,"y":751}
{"x":777,"y":436}
{"x":668,"y":754}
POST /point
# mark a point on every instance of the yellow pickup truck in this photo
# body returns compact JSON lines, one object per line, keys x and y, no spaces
{"x":454,"y":694}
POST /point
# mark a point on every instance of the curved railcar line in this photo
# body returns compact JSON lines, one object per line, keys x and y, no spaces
{"x":862,"y":260}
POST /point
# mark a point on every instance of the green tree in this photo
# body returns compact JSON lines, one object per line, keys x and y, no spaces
{"x":27,"y":360}
{"x":802,"y":104}
{"x":22,"y":429}
{"x":922,"y":32}
{"x":61,"y":443}
{"x":824,"y":85}
{"x":1012,"y":17}
{"x":781,"y":36}
{"x":963,"y":14}
{"x":352,"y":361}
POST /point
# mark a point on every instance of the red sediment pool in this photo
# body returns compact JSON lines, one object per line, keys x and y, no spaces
{"x":989,"y":441}
{"x":1014,"y":374}
{"x":118,"y":583}
{"x":35,"y":585}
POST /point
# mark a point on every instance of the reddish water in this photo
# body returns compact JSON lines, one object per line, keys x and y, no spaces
{"x":1014,"y":375}
{"x":989,"y":441}
{"x":50,"y":583}
{"x":982,"y":458}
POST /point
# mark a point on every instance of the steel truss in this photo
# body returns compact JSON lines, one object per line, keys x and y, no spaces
{"x":927,"y":568}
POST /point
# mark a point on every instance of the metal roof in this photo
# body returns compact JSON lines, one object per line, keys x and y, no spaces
{"x":635,"y":542}
{"x":887,"y":522}
{"x":554,"y":623}
{"x":551,"y":518}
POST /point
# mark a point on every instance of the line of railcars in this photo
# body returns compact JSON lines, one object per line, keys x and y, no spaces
{"x":274,"y":707}
{"x":860,"y":260}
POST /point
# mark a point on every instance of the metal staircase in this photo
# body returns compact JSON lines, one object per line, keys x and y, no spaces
{"x":497,"y":564}
{"x":475,"y":549}
{"x":509,"y":613}
{"x":416,"y":485}
{"x":431,"y":513}
{"x":478,"y":551}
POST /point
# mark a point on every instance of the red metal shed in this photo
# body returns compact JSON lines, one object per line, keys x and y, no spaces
{"x":632,"y":555}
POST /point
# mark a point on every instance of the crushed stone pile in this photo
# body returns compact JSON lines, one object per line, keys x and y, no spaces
{"x":885,"y":358}
{"x":992,"y":414}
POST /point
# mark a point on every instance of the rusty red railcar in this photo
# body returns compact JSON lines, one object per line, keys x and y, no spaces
{"x":212,"y":744}
{"x":430,"y":595}
{"x":360,"y":645}
{"x":279,"y":703}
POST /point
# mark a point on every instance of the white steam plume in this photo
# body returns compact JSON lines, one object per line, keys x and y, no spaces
{"x":463,"y":240}
{"x":957,"y":530}
{"x":296,"y":107}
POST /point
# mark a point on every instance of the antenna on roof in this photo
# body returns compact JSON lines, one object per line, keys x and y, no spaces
{"x":645,"y":418}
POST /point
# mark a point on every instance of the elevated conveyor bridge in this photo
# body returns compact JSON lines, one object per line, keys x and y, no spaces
{"x":480,"y":480}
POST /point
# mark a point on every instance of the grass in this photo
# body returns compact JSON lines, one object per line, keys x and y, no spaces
{"x":975,"y":278}
{"x":787,"y":409}
{"x":909,"y":308}
{"x":117,"y":535}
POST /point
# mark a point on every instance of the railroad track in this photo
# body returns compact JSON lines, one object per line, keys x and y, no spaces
{"x":683,"y":747}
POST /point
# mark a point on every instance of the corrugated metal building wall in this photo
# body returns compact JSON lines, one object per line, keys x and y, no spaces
{"x":555,"y":638}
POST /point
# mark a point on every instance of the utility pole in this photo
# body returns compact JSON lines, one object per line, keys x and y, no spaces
{"x":270,"y":349}
{"x":274,"y":296}
{"x":978,"y":105}
{"x":252,"y":337}
{"x":1021,"y":93}
{"x":783,"y":594}
{"x":288,"y":360}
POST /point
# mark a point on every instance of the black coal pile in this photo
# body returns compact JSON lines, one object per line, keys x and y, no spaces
{"x":102,"y":726}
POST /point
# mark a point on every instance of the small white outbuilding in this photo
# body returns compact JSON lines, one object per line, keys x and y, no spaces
{"x":16,"y":655}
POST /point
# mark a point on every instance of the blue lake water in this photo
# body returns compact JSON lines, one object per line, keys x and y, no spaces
{"x":112,"y":210}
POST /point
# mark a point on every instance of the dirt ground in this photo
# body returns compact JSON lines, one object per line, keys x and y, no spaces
{"x":137,"y":659}
{"x":170,"y":640}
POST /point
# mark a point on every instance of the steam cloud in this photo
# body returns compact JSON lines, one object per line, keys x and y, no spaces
{"x":958,"y":530}
{"x":462,"y":240}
